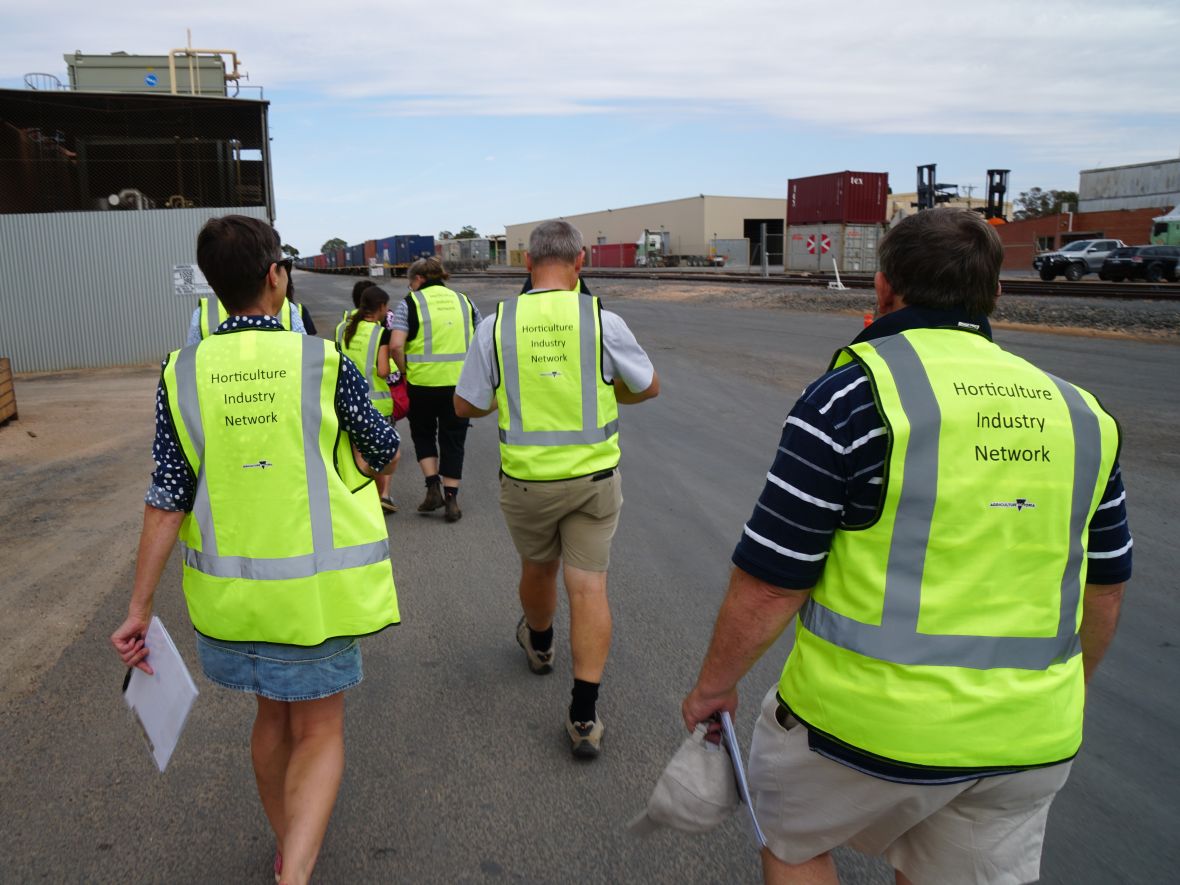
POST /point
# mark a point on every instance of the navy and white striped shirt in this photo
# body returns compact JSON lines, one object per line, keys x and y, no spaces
{"x":827,"y":475}
{"x":828,"y":472}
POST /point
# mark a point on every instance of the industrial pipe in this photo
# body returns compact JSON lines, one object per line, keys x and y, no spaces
{"x":192,"y":53}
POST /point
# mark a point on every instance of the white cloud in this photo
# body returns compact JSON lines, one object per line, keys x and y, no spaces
{"x":1062,"y":73}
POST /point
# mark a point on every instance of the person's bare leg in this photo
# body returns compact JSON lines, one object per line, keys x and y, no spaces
{"x":270,"y":750}
{"x":429,"y":466}
{"x":382,"y":485}
{"x":313,"y":780}
{"x":819,"y":870}
{"x":538,"y":592}
{"x":450,"y":482}
{"x":590,"y":622}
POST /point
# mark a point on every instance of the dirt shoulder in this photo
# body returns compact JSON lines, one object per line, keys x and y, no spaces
{"x":73,"y":470}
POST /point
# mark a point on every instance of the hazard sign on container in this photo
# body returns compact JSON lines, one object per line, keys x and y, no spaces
{"x":824,"y":243}
{"x":188,"y":281}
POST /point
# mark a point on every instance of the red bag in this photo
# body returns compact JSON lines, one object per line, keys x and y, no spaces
{"x":401,"y":399}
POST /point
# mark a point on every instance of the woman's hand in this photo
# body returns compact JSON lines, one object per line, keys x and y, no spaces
{"x":128,"y":641}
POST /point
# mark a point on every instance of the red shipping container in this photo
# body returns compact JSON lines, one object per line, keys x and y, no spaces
{"x":340,"y":262}
{"x":612,"y":255}
{"x":370,"y":250}
{"x":838,"y":198}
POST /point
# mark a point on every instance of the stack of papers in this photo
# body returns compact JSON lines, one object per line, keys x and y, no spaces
{"x":162,"y":701}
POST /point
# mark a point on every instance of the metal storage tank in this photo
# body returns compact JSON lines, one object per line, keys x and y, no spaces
{"x":846,"y":197}
{"x":134,"y":275}
{"x":818,"y":247}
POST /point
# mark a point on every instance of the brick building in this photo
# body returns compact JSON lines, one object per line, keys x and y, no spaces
{"x":1024,"y":239}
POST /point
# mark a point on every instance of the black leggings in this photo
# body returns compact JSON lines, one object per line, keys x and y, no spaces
{"x":434,"y":426}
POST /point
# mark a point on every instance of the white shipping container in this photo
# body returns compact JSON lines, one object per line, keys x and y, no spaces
{"x":820,"y":247}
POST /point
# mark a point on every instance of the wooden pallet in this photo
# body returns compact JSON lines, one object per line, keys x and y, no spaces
{"x":7,"y":391}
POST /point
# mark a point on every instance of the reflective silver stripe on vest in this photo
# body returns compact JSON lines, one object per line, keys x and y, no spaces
{"x":371,"y":363}
{"x":190,"y":414}
{"x":590,"y":434}
{"x":897,"y":638}
{"x":428,"y":355}
{"x":324,"y":556}
{"x":305,"y":566}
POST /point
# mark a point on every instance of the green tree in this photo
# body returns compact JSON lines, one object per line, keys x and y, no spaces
{"x":445,"y":235}
{"x":467,"y":233}
{"x":290,"y":250}
{"x":332,"y":244}
{"x":1036,"y":203}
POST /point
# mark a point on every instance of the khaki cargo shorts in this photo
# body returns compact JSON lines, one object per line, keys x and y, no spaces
{"x":987,"y":830}
{"x":571,"y":519}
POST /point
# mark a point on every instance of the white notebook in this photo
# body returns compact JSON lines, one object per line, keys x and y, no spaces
{"x":161,"y":702}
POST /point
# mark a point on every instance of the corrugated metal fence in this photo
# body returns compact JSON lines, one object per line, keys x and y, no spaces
{"x":93,"y":289}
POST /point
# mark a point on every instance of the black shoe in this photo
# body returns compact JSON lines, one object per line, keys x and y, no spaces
{"x":433,"y":499}
{"x":453,"y":514}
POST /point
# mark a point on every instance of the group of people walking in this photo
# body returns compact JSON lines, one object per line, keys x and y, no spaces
{"x":952,"y":602}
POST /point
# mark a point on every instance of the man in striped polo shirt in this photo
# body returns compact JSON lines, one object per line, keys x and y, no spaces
{"x":949,"y":523}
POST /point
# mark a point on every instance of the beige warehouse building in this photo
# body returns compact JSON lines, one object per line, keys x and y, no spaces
{"x":700,"y":225}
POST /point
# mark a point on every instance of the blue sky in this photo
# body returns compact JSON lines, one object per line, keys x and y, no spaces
{"x":409,"y":118}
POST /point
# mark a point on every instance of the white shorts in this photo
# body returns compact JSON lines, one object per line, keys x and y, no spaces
{"x":988,"y":830}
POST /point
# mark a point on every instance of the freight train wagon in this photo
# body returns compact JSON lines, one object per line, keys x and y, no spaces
{"x":393,"y":254}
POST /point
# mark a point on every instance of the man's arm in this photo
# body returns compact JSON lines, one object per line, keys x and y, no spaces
{"x":464,"y":409}
{"x":752,"y":617}
{"x":1100,"y":617}
{"x":625,"y":396}
{"x":479,"y":376}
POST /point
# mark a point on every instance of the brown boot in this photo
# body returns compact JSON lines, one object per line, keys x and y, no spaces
{"x":454,"y":514}
{"x":433,"y":499}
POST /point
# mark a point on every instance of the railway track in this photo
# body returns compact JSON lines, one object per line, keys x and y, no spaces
{"x":1011,"y":286}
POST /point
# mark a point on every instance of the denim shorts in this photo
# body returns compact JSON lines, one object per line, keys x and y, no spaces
{"x":282,"y":672}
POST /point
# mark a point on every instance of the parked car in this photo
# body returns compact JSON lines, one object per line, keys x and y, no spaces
{"x":1075,"y":260}
{"x":1151,"y":263}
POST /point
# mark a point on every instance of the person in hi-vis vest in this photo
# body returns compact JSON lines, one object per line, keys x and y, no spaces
{"x":364,"y":339}
{"x":556,"y":366}
{"x":432,"y":328}
{"x":211,"y":313}
{"x":948,"y":523}
{"x":266,"y":443}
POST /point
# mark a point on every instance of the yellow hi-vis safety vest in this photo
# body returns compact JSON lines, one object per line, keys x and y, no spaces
{"x":434,"y":357}
{"x":946,"y":633}
{"x":364,"y":350}
{"x":211,"y":319}
{"x":558,"y":416}
{"x":285,"y":541}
